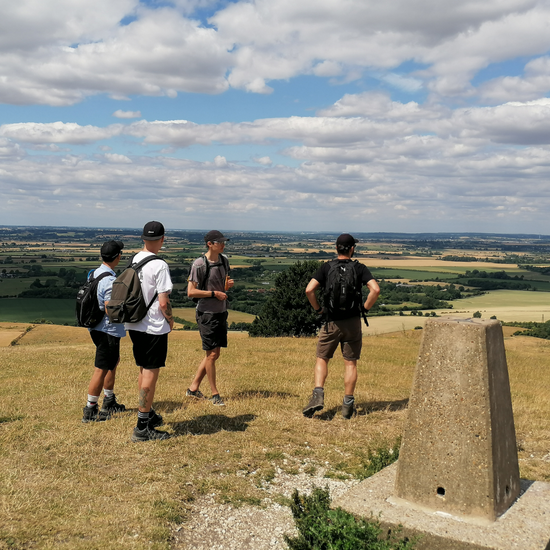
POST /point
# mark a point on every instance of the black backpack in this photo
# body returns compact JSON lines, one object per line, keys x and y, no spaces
{"x":343,"y":289}
{"x":204,"y":282}
{"x":88,"y":313}
{"x":127,"y":304}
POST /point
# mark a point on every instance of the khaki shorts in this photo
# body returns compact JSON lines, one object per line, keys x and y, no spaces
{"x":347,"y":333}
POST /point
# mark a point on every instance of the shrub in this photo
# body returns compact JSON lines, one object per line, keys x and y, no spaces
{"x":321,"y":528}
{"x":287,"y":311}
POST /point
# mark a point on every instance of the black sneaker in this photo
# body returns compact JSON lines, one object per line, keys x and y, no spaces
{"x":348,"y":410}
{"x":93,"y":414}
{"x":110,"y":405}
{"x":316,"y":403}
{"x":217,"y":400}
{"x":149,"y":434}
{"x":155,"y":420}
{"x":197,"y":394}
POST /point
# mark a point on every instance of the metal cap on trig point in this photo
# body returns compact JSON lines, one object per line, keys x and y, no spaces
{"x":459,"y":453}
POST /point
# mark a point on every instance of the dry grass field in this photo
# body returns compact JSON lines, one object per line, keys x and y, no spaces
{"x":68,"y":485}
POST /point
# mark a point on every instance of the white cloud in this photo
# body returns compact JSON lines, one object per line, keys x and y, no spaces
{"x":57,"y":132}
{"x":61,"y":51}
{"x":127,"y":114}
{"x":117,"y":159}
{"x":265,"y":161}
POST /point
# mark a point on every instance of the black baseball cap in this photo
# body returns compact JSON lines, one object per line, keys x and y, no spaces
{"x":153,"y":231}
{"x":345,"y":240}
{"x":215,"y":236}
{"x":111,"y":249}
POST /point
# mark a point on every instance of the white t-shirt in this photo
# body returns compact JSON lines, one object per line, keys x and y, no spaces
{"x":154,"y":276}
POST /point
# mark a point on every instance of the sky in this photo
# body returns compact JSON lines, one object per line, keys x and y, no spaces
{"x":276,"y":115}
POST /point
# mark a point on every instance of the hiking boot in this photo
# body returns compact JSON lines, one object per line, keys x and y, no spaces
{"x":197,"y":394}
{"x":149,"y":434}
{"x":348,"y":410}
{"x":217,"y":400}
{"x":155,"y":420}
{"x":316,"y":403}
{"x":93,"y":414}
{"x":111,"y":405}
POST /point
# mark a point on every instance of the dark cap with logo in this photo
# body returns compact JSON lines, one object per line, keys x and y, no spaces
{"x":111,"y":249}
{"x":345,"y":240}
{"x":153,"y":231}
{"x":214,"y":235}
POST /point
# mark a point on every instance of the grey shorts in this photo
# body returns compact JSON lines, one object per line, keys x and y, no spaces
{"x":213,"y":329}
{"x":346,"y":333}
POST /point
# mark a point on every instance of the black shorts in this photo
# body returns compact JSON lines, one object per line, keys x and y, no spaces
{"x":107,"y":353}
{"x":213,"y":329}
{"x":150,"y":350}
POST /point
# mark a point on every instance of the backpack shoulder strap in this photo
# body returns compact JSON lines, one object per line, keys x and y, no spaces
{"x":146,"y":260}
{"x":225,"y":263}
{"x":206,"y":263}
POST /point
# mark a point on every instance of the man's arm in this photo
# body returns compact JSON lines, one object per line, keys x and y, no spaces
{"x":374,"y":292}
{"x":312,"y":286}
{"x":194,"y":292}
{"x":166,"y":308}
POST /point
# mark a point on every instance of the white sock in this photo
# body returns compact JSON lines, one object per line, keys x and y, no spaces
{"x":92,"y":400}
{"x":108,"y":393}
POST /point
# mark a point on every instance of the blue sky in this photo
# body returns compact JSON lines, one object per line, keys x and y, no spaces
{"x":349,"y":115}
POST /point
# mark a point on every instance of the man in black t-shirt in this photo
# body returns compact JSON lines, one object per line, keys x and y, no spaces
{"x":343,"y":327}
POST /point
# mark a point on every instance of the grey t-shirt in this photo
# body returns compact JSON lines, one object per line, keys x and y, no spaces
{"x":216,"y":281}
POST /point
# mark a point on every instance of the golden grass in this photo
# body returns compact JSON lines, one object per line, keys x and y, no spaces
{"x":10,"y":332}
{"x":69,"y":485}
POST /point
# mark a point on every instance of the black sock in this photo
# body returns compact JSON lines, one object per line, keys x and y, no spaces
{"x":143,"y":420}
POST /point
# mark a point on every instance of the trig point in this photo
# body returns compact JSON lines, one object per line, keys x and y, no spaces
{"x":456,"y":484}
{"x":459,"y":446}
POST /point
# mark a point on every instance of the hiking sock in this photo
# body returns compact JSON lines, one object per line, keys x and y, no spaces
{"x":143,"y":420}
{"x":348,"y":399}
{"x":319,"y":389}
{"x":108,"y":393}
{"x":92,"y":401}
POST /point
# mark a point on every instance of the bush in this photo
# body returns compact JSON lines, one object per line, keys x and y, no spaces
{"x":321,"y":528}
{"x":287,"y":311}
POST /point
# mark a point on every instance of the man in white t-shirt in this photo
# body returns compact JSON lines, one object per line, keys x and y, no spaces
{"x":150,"y":335}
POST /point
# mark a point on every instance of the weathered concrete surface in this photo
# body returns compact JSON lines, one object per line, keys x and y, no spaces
{"x":459,"y":445}
{"x":524,"y":526}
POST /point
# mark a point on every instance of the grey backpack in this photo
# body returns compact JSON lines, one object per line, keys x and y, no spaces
{"x":127,"y":304}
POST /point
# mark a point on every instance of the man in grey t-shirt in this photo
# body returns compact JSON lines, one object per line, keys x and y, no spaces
{"x":208,"y":282}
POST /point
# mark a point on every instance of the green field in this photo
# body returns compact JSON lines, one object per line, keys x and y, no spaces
{"x":419,"y":275}
{"x":60,"y":312}
{"x":188,"y":313}
{"x":28,"y":310}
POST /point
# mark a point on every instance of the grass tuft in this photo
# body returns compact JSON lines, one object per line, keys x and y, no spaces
{"x":320,"y":527}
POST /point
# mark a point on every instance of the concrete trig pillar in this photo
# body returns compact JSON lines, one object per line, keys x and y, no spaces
{"x":458,"y":453}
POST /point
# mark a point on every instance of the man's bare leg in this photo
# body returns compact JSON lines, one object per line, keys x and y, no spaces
{"x":147,"y":383}
{"x":207,"y":368}
{"x":317,"y":401}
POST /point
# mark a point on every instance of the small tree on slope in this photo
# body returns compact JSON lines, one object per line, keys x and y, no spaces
{"x":287,"y":311}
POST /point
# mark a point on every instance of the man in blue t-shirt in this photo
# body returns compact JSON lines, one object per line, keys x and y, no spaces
{"x":343,"y":328}
{"x":106,"y":337}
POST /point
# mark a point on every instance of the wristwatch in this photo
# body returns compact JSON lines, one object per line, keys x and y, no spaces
{"x":213,"y":294}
